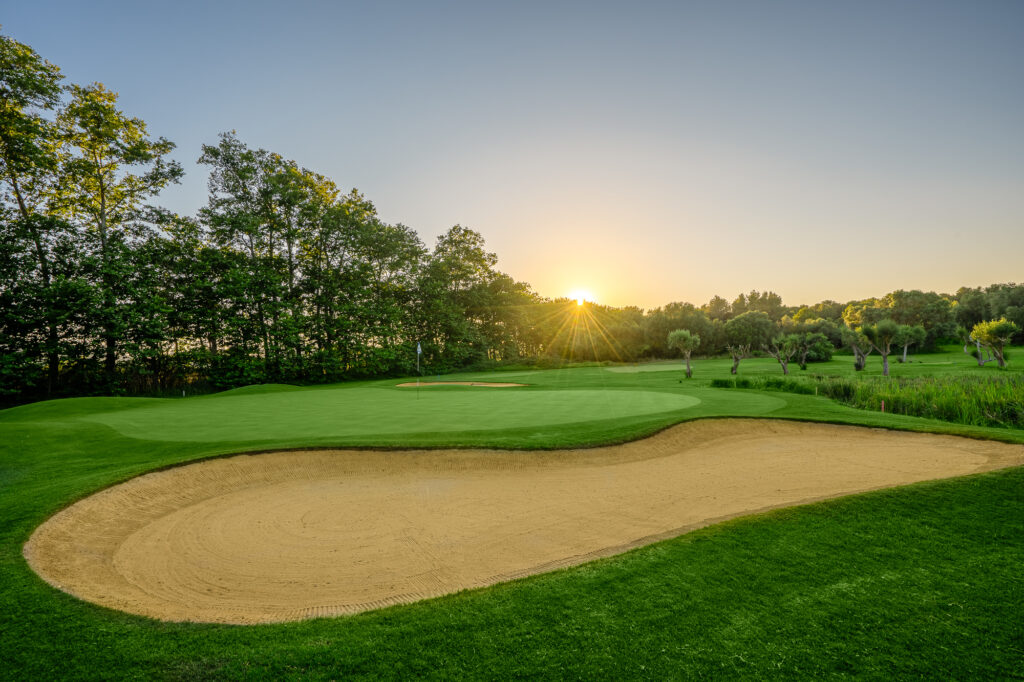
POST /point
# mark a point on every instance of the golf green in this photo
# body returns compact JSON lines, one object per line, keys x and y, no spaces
{"x":341,"y":412}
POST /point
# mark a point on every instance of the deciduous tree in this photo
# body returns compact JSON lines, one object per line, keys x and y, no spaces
{"x":109,"y":168}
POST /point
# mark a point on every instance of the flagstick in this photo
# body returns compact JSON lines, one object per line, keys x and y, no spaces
{"x":417,"y":371}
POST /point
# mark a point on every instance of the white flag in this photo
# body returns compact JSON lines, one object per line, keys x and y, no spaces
{"x":419,"y":351}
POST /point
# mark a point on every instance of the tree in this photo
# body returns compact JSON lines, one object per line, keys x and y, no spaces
{"x":686,"y":342}
{"x":814,"y":344}
{"x":746,"y":331}
{"x":717,"y":309}
{"x":908,"y":336}
{"x":99,"y":146}
{"x":768,"y":302}
{"x":970,"y":307}
{"x":932,"y":311}
{"x":659,"y":322}
{"x":30,"y":86}
{"x":995,"y":335}
{"x":859,"y":344}
{"x":868,"y":311}
{"x":882,"y":336}
{"x":783,"y":347}
{"x":828,"y":310}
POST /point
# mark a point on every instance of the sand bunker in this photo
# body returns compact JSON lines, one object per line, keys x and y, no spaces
{"x":489,"y":384}
{"x":294,"y":535}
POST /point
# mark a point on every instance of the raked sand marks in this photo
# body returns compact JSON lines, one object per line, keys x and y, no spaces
{"x":294,"y":535}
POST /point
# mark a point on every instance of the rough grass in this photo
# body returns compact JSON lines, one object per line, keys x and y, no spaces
{"x":995,"y":400}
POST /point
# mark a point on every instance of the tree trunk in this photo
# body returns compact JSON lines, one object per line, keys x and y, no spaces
{"x":109,"y":338}
{"x":735,"y":364}
{"x":885,"y":364}
{"x":689,"y":374}
{"x":785,"y":366}
{"x":52,"y":356}
{"x":904,"y":360}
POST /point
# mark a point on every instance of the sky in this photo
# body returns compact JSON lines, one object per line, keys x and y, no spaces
{"x":644,"y":152}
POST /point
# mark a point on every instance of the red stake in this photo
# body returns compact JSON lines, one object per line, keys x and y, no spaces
{"x":883,"y":406}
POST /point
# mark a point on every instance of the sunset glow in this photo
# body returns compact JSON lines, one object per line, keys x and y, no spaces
{"x":582,"y":296}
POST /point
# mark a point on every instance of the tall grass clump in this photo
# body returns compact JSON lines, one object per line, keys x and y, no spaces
{"x":979,"y":401}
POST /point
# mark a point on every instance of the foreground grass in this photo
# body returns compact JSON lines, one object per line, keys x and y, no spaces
{"x":919,"y":581}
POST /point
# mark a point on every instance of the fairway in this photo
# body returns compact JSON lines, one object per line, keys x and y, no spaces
{"x":341,"y":412}
{"x":295,"y":535}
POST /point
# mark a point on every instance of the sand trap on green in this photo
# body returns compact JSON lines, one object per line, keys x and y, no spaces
{"x":676,"y":366}
{"x":295,"y":535}
{"x":481,"y":384}
{"x":368,"y":411}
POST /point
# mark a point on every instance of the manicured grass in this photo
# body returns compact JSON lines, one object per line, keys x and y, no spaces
{"x":919,"y":581}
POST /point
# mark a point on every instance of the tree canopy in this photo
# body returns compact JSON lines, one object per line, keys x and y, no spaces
{"x":282,"y":276}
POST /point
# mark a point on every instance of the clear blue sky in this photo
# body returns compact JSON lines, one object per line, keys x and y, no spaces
{"x":646,"y":152}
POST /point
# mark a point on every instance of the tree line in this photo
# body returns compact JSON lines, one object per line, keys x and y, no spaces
{"x":283,"y":277}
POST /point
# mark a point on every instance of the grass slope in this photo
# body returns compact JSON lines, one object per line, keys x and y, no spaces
{"x":924,"y":580}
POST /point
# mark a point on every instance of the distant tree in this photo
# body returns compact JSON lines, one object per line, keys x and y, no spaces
{"x":739,"y":305}
{"x":934,"y":312}
{"x":686,"y":342}
{"x":868,"y":311}
{"x":908,"y":336}
{"x":882,"y":336}
{"x":746,"y":331}
{"x":828,"y":310}
{"x":768,"y":302}
{"x":859,"y":344}
{"x":810,"y":343}
{"x":963,"y":336}
{"x":717,"y":309}
{"x":971,"y":307}
{"x":994,"y":335}
{"x":783,"y":348}
{"x":659,"y":322}
{"x":1007,"y":300}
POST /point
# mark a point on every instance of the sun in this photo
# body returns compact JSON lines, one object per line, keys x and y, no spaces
{"x":582,"y":296}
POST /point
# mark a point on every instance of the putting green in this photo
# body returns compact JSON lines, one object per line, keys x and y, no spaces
{"x":343,"y":413}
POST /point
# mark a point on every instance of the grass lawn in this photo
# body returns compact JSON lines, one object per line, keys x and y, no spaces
{"x":923,"y":580}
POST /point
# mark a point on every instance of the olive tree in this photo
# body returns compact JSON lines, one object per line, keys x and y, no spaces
{"x":812,"y":343}
{"x":860,"y":346}
{"x":882,"y":336}
{"x":909,"y":336}
{"x":685,"y":342}
{"x":994,"y":335}
{"x":783,"y":348}
{"x":746,"y":331}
